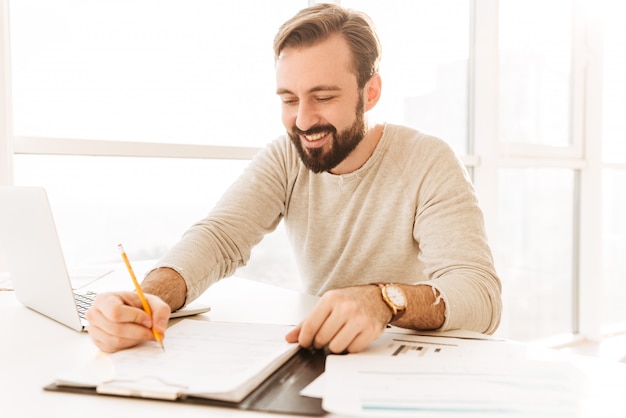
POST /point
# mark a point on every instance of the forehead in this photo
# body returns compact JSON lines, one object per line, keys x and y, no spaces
{"x":326,"y":63}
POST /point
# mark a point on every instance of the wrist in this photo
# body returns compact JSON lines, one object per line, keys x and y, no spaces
{"x":167,"y":284}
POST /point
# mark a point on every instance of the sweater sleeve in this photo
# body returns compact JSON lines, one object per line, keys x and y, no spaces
{"x":216,"y":246}
{"x":449,"y":228}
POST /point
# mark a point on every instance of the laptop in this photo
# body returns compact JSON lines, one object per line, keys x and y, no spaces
{"x":32,"y":253}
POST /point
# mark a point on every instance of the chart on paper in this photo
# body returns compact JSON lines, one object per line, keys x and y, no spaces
{"x":410,"y":348}
{"x":441,"y":346}
{"x":417,"y":347}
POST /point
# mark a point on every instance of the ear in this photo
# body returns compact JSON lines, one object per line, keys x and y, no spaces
{"x":373,"y":90}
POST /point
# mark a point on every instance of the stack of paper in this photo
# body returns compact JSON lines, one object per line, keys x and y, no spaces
{"x":404,"y":375}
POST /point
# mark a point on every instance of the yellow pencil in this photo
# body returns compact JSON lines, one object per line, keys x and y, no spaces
{"x":146,"y":306}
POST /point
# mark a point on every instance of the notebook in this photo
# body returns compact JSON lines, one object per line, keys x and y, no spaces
{"x":237,"y":365}
{"x":31,"y":250}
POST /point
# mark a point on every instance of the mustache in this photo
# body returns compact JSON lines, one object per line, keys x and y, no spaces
{"x":314,"y":130}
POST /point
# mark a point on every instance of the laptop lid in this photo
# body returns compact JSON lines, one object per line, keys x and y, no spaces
{"x":32,"y":252}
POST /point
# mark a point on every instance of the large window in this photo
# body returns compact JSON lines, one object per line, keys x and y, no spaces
{"x":535,"y":71}
{"x":136,"y":115}
{"x":145,"y":203}
{"x":614,"y":176}
{"x":537,"y":208}
{"x":614,"y":244}
{"x":187,"y":71}
{"x":172,"y":72}
{"x":191,"y":72}
{"x":537,"y":205}
{"x":424,"y":64}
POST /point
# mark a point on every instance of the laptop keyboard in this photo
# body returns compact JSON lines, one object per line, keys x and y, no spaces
{"x":84,"y":302}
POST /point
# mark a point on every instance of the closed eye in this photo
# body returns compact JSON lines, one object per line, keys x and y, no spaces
{"x":289,"y":101}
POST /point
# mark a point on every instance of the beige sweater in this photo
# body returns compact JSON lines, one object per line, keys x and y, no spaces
{"x":409,"y":215}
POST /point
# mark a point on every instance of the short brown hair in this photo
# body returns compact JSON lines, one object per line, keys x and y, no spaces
{"x":317,"y":23}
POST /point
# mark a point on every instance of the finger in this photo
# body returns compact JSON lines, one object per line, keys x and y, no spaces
{"x":121,"y":307}
{"x":332,"y":326}
{"x":310,"y":327}
{"x":160,"y":312}
{"x":127,"y":307}
{"x":355,"y":335}
{"x":360,"y":343}
{"x":292,"y":336}
{"x":110,"y":343}
{"x":345,"y":342}
{"x":113,"y":336}
{"x":118,"y":321}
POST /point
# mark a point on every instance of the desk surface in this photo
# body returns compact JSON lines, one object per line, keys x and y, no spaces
{"x":35,"y":349}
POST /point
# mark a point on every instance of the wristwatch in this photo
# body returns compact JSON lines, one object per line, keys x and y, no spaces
{"x":394,"y":297}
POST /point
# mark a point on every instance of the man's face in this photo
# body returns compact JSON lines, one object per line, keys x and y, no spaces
{"x":322,"y":107}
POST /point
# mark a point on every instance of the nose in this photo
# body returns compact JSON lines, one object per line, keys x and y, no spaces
{"x":306,"y":117}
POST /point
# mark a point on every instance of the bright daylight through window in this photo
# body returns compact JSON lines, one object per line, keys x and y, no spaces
{"x":137,"y":75}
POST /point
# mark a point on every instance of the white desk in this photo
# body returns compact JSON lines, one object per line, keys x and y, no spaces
{"x":35,"y":349}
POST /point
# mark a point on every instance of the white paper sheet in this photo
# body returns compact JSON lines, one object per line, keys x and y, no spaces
{"x":213,"y":359}
{"x":413,"y":376}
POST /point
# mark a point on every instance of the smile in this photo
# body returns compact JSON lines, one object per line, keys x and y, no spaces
{"x":315,"y":137}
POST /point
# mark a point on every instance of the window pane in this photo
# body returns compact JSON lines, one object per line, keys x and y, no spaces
{"x":614,"y":85}
{"x":614,"y":151}
{"x":535,"y":45}
{"x":144,"y":203}
{"x":535,"y":253}
{"x":424,"y":64}
{"x":614,"y":246}
{"x":179,"y":71}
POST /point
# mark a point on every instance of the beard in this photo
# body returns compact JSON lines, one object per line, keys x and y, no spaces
{"x":341,"y":145}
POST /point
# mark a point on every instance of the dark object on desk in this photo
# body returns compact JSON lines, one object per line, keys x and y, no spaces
{"x":280,"y":393}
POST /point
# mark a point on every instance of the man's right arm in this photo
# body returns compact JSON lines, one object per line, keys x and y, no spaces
{"x":167,"y":284}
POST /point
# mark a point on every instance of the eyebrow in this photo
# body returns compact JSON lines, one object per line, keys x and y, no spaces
{"x":315,"y":89}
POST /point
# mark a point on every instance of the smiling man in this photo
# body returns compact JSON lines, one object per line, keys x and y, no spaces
{"x":383,"y":221}
{"x":320,"y":97}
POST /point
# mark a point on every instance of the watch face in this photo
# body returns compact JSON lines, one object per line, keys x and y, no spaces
{"x":396,"y":296}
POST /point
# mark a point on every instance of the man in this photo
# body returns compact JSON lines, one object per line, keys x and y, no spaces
{"x":383,"y":220}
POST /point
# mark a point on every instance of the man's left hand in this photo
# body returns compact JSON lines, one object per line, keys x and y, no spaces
{"x":344,"y":320}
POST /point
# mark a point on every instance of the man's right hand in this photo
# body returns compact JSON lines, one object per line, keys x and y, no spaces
{"x":118,"y":321}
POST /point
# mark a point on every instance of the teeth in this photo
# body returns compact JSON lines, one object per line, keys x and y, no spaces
{"x":315,"y":137}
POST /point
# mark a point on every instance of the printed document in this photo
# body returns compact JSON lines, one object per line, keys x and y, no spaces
{"x":403,"y":375}
{"x":214,"y":360}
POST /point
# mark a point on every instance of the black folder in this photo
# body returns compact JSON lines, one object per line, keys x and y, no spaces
{"x":280,"y":393}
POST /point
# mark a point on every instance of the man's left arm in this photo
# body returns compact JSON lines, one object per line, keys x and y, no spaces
{"x":350,"y":318}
